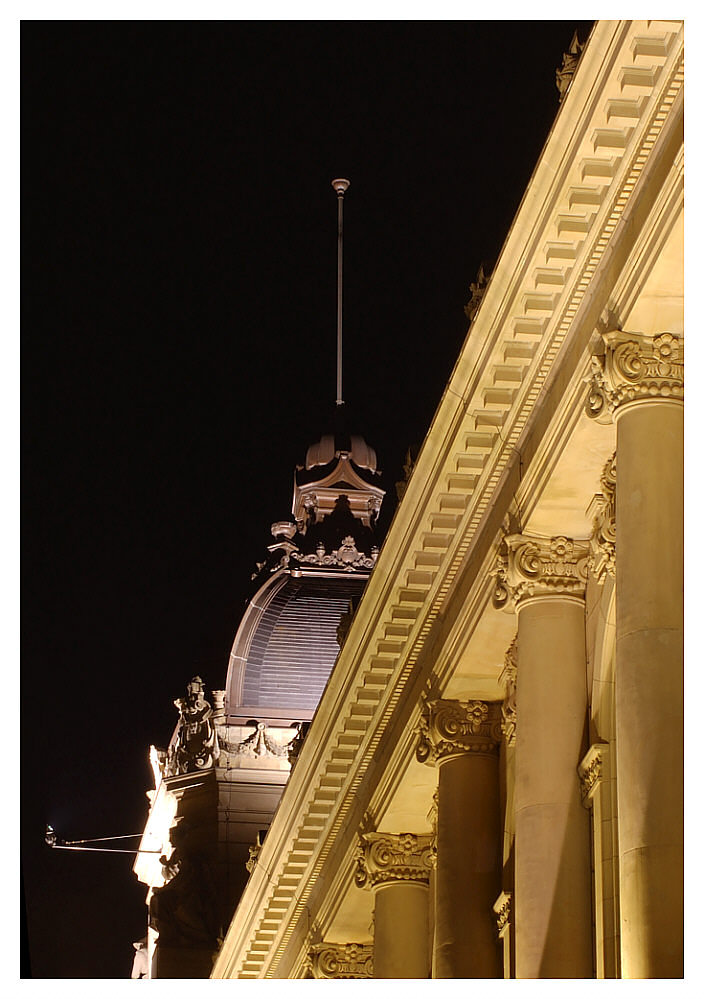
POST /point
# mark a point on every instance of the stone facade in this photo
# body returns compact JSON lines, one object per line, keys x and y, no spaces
{"x":492,"y":783}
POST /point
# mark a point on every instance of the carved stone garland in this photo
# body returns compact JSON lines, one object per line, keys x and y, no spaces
{"x":508,"y":677}
{"x":528,"y":567}
{"x":385,"y":857}
{"x":451,"y":728}
{"x":632,"y":367}
{"x":331,"y":960}
{"x":604,"y":533}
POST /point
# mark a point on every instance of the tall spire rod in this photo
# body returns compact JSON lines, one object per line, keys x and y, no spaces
{"x":340,"y":186}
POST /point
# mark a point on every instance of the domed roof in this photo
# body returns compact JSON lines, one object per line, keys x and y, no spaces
{"x":287,"y":644}
{"x":331,"y":446}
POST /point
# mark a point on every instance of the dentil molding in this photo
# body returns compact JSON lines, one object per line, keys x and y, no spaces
{"x":383,"y":858}
{"x":633,"y":367}
{"x":453,"y":728}
{"x":533,"y":567}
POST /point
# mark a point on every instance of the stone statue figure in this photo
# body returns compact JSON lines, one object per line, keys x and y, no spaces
{"x":196,"y":744}
{"x":140,"y":965}
{"x":183,"y":910}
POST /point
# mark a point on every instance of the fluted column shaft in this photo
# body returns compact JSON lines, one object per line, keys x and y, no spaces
{"x":462,"y":738}
{"x":397,"y":868}
{"x":640,"y":379}
{"x":553,"y":903}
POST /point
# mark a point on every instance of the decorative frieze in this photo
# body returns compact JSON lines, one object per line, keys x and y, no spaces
{"x":532,"y":567}
{"x":592,"y":770}
{"x":604,"y":532}
{"x":508,"y":677}
{"x":258,"y":744}
{"x":385,"y":857}
{"x":633,"y":367}
{"x":332,"y":960}
{"x":452,"y":728}
{"x":503,"y":909}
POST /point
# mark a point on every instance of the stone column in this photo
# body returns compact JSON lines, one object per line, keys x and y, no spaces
{"x":639,"y":381}
{"x":552,"y":887}
{"x":462,"y":738}
{"x":397,"y":868}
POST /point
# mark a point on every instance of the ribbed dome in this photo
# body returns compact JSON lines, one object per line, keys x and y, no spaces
{"x":286,"y":646}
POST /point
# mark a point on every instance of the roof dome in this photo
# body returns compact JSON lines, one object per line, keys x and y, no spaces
{"x":287,"y":644}
{"x":331,"y":446}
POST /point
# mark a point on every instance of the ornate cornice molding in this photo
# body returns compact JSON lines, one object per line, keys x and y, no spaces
{"x":383,"y":858}
{"x":534,"y":567}
{"x":332,"y":960}
{"x":508,"y":677}
{"x":601,"y":560}
{"x":592,"y":770}
{"x":633,"y":368}
{"x":453,"y":728}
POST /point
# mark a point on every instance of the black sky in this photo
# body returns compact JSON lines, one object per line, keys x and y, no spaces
{"x":178,"y":331}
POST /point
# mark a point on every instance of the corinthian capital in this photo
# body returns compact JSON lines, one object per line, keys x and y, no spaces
{"x":452,"y":728}
{"x":533,"y":567}
{"x":385,"y":857}
{"x":634,"y":367}
{"x":330,"y":960}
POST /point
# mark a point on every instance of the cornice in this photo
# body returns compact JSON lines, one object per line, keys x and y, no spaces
{"x":597,"y":158}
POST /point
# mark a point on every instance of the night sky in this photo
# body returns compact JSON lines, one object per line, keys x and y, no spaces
{"x":178,"y":333}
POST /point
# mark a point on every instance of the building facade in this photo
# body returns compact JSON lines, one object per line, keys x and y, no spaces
{"x":492,"y":783}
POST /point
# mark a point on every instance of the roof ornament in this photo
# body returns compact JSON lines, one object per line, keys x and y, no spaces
{"x":340,"y":186}
{"x":566,"y":71}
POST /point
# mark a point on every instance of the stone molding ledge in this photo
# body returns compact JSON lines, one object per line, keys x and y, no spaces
{"x":453,"y":728}
{"x":535,"y":567}
{"x":632,"y":368}
{"x":384,"y":858}
{"x":333,"y":960}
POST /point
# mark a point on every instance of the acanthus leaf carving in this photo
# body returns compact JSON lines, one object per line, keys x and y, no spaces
{"x":508,"y":677}
{"x":450,"y":728}
{"x":385,"y":857}
{"x":334,"y":960}
{"x":532,"y":566}
{"x":603,"y":540}
{"x":633,"y":367}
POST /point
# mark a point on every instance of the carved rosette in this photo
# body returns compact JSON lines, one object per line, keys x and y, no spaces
{"x":383,"y":858}
{"x":604,"y":533}
{"x":533,"y":567}
{"x":330,"y":960}
{"x":592,"y":770}
{"x":508,"y":677}
{"x":633,"y":367}
{"x":453,"y":728}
